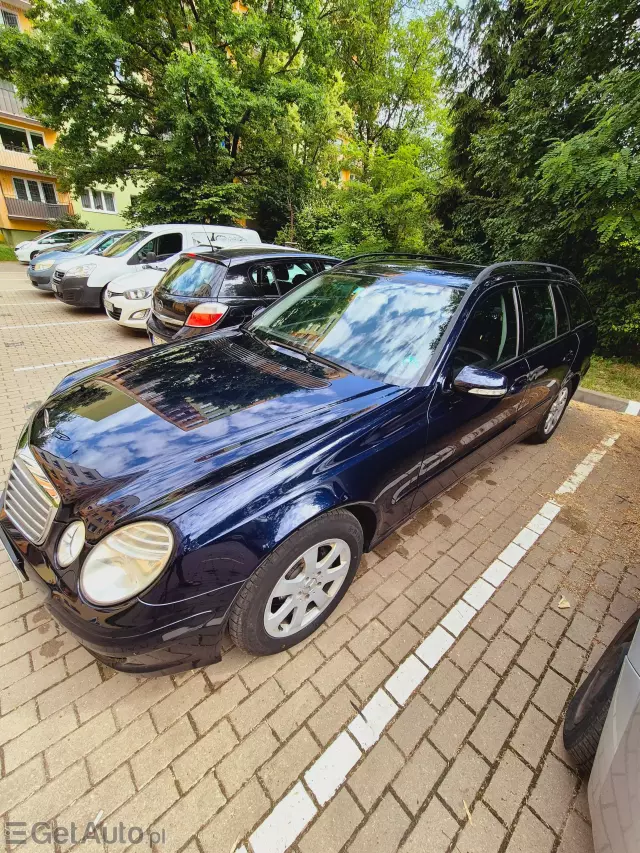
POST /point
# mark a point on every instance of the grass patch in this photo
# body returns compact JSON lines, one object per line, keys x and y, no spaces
{"x":614,"y":376}
{"x":7,"y":253}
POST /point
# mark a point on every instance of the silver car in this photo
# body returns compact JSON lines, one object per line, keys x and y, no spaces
{"x":602,"y":728}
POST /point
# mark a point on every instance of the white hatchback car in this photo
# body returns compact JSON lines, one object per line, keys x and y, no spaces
{"x":28,"y":249}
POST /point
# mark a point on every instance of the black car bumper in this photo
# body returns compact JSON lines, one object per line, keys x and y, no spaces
{"x":158,"y":332}
{"x":190,"y":637}
{"x":74,"y":290}
{"x":41,"y":279}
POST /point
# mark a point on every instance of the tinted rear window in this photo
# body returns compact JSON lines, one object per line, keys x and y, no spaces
{"x":578,"y":305}
{"x":192,"y":277}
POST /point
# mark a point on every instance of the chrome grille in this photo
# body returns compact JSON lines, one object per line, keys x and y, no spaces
{"x":30,"y":499}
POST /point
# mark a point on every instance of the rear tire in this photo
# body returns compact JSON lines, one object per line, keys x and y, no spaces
{"x":550,"y":421}
{"x":304,"y":578}
{"x":587,"y":711}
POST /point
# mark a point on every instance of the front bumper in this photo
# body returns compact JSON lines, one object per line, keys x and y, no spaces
{"x":186,"y":634}
{"x":123,"y":310}
{"x":41,"y":278}
{"x":73,"y":290}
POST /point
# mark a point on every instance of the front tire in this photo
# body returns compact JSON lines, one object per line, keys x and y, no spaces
{"x":550,"y":421}
{"x":298,"y":586}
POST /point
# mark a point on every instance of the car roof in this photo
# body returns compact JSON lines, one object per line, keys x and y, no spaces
{"x":231,"y":229}
{"x":408,"y":271}
{"x":256,"y":253}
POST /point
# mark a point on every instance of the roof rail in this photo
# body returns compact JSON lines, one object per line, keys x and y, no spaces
{"x":408,"y":255}
{"x":487,"y":272}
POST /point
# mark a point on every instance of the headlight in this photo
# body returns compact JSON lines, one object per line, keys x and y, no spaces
{"x":139,"y":293}
{"x":43,"y":265}
{"x":125,"y":562}
{"x":83,"y":270}
{"x":71,"y":543}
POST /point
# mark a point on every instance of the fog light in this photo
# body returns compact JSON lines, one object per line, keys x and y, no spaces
{"x":71,"y":543}
{"x":139,"y":315}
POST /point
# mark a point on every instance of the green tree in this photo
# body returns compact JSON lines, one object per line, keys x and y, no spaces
{"x":545,"y":145}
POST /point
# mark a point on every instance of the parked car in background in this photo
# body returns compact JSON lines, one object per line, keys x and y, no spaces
{"x":236,"y":478}
{"x":602,"y":734}
{"x":42,"y":266}
{"x":85,"y":283}
{"x":51,"y":240}
{"x":213,"y":289}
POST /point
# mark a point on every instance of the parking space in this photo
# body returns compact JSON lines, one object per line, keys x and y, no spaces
{"x":424,"y":717}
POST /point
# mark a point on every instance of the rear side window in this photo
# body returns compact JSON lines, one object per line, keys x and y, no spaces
{"x":562,"y":317}
{"x":264,"y":281}
{"x":490,"y":335}
{"x":290,"y":274}
{"x":578,"y":305}
{"x":192,"y":277}
{"x":537,"y":315}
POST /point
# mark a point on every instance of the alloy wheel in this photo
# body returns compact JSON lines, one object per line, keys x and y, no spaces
{"x":556,"y":410}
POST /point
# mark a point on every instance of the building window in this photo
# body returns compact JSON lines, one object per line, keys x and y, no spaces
{"x":102,"y":200}
{"x":20,"y":139}
{"x":30,"y":190}
{"x":9,"y":19}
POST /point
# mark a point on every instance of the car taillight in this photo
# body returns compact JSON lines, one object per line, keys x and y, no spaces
{"x":206,"y":314}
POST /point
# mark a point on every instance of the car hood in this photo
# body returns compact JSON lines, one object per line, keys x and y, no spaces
{"x":99,"y":261}
{"x":147,"y":277}
{"x":55,"y":255}
{"x":147,"y":430}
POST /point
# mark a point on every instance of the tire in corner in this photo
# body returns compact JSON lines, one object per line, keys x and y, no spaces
{"x":587,"y":711}
{"x":246,"y":620}
{"x":543,"y":431}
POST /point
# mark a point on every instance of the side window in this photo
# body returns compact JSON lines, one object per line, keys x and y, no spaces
{"x":264,"y":280}
{"x":562,"y":318}
{"x":149,"y":246}
{"x":290,"y":274}
{"x":490,"y":335}
{"x":578,"y":306}
{"x":168,"y":244}
{"x":537,"y":315}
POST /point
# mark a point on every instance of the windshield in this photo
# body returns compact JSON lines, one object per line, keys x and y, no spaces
{"x":122,"y":246}
{"x":83,"y":242}
{"x":383,"y":327}
{"x":192,"y":277}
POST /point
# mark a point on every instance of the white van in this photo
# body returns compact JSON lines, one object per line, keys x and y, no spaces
{"x":83,"y":282}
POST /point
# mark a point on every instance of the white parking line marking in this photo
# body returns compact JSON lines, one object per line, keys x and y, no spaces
{"x":633,"y":407}
{"x":279,"y":831}
{"x":64,"y":323}
{"x":64,"y":363}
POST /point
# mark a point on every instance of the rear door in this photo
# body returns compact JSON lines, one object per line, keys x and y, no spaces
{"x":550,"y":346}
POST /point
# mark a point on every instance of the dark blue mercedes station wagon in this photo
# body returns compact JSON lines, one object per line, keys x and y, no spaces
{"x":235,"y":479}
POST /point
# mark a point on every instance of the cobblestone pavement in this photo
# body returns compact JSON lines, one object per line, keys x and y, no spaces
{"x":472,"y":762}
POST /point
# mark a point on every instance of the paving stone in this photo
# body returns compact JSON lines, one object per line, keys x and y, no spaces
{"x":463,"y":781}
{"x":450,"y":591}
{"x":334,"y":672}
{"x":478,"y":687}
{"x":334,"y":714}
{"x":492,"y":731}
{"x":289,"y":763}
{"x":411,"y":725}
{"x":428,"y":615}
{"x":260,"y":669}
{"x":552,"y":694}
{"x":240,"y":764}
{"x":500,"y":653}
{"x":553,"y":792}
{"x":534,"y":656}
{"x":535,"y":600}
{"x":421,"y":588}
{"x":417,"y":778}
{"x":507,"y":596}
{"x":367,"y":610}
{"x":467,"y":650}
{"x":335,"y":825}
{"x":397,"y":613}
{"x":489,"y":621}
{"x":582,"y":630}
{"x":370,"y":675}
{"x":160,"y":752}
{"x":443,"y":567}
{"x":299,"y":670}
{"x":383,"y":830}
{"x":401,"y":643}
{"x":515,"y":690}
{"x":484,"y":835}
{"x":38,"y":738}
{"x":120,"y":747}
{"x":205,"y":753}
{"x":368,"y":640}
{"x":80,"y":742}
{"x":433,"y":832}
{"x":451,"y":728}
{"x":441,"y":683}
{"x":189,"y":813}
{"x":219,"y":704}
{"x":532,"y":736}
{"x":532,"y":836}
{"x":508,"y":786}
{"x":335,"y":637}
{"x":379,"y":767}
{"x":292,"y":713}
{"x":520,"y":624}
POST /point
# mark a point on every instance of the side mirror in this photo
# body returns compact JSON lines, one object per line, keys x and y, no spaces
{"x":482,"y":383}
{"x":257,"y":311}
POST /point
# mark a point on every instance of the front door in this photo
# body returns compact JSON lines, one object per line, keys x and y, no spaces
{"x":465,"y":429}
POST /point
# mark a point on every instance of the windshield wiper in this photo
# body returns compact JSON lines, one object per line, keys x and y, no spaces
{"x":309,"y":355}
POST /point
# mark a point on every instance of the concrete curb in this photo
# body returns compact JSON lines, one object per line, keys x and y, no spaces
{"x":607,"y":401}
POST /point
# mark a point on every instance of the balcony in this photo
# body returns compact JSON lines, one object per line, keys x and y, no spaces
{"x":17,"y":159}
{"x":19,"y":208}
{"x":10,"y":103}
